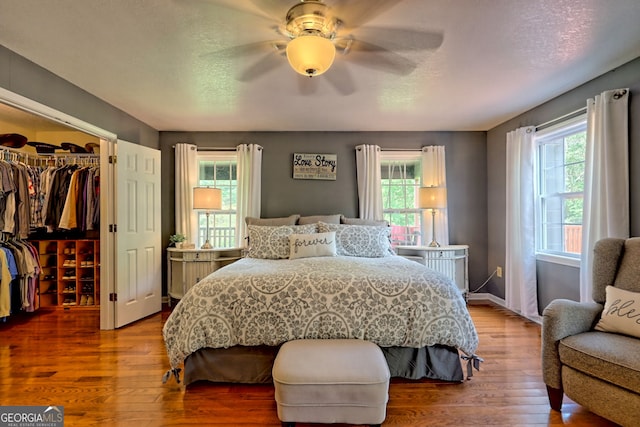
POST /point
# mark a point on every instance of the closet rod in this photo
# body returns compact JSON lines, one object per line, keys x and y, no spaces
{"x":568,"y":116}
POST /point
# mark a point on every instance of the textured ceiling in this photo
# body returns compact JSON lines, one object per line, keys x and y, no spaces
{"x":174,"y":64}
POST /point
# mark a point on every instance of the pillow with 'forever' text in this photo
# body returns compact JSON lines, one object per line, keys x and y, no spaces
{"x":312,"y":245}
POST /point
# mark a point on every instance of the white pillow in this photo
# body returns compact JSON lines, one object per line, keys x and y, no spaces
{"x":272,"y":242}
{"x":312,"y":245}
{"x":621,"y":312}
{"x":367,"y":241}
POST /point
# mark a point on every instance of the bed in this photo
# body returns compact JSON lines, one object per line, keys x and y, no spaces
{"x":319,"y":281}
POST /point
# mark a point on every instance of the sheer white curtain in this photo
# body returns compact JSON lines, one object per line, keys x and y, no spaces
{"x":249,"y":187}
{"x":434,"y":173}
{"x":606,"y":186}
{"x":186,"y":177}
{"x":369,"y":185}
{"x":520,"y":265}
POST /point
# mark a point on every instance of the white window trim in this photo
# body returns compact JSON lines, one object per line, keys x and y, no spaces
{"x":558,"y":259}
{"x":405,"y":156}
{"x":213,"y":155}
{"x":543,"y":255}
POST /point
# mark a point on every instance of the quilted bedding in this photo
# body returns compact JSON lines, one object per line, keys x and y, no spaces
{"x":391,"y":301}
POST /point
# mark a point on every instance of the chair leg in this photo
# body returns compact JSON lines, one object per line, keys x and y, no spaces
{"x":555,"y":397}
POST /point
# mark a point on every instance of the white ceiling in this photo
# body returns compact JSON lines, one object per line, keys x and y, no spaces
{"x":164,"y":61}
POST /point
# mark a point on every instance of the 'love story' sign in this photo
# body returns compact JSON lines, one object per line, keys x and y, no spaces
{"x":314,"y":166}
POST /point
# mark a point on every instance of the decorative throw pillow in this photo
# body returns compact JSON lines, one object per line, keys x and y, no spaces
{"x":367,"y":241}
{"x":360,"y":221}
{"x":312,"y":245}
{"x":272,"y":242}
{"x":329,"y":219}
{"x":621,"y":312}
{"x":286,"y":220}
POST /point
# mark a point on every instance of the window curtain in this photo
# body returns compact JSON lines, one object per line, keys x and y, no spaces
{"x":606,"y":183}
{"x":520,"y":265}
{"x":434,"y":173}
{"x":186,"y":177}
{"x":369,"y":182}
{"x":249,"y":187}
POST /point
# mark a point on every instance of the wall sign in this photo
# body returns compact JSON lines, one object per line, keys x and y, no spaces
{"x":314,"y":166}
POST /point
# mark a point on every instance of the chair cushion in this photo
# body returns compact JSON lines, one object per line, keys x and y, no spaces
{"x":610,"y":357}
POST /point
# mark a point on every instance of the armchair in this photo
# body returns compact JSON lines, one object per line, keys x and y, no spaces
{"x":598,"y":369}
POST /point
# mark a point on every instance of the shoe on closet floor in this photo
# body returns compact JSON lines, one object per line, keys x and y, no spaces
{"x":90,"y":300}
{"x":83,"y":300}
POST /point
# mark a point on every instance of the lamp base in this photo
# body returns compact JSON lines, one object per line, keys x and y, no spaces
{"x":207,"y":245}
{"x":434,"y":243}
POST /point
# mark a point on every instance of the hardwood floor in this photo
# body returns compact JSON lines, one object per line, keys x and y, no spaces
{"x":113,"y":378}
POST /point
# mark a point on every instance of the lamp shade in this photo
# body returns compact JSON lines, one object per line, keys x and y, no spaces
{"x":432,"y":198}
{"x":207,"y":198}
{"x":310,"y":54}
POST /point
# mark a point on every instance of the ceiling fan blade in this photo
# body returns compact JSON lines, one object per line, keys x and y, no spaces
{"x":276,"y":9}
{"x":307,"y":85}
{"x":355,"y":13}
{"x":262,"y":66}
{"x":340,"y":78}
{"x":377,"y":57}
{"x":261,"y":8}
{"x":267,"y":46}
{"x":401,"y":39}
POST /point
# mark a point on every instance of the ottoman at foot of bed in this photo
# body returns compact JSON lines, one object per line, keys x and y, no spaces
{"x":331,"y":381}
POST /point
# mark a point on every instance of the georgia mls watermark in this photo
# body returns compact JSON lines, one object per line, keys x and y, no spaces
{"x":31,"y":416}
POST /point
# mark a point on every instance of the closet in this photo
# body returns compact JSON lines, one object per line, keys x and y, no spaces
{"x":49,"y":217}
{"x":113,"y":265}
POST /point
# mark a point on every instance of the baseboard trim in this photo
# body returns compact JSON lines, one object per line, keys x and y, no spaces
{"x":485,"y":296}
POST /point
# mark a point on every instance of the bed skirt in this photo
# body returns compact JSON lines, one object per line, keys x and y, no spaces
{"x":242,"y":364}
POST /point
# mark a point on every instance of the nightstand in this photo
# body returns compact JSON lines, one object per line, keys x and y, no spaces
{"x":451,"y":260}
{"x":186,"y":267}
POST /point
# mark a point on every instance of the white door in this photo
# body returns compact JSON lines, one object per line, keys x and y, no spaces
{"x":138,"y":261}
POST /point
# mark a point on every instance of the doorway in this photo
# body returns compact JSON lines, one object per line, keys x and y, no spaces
{"x":122,"y":299}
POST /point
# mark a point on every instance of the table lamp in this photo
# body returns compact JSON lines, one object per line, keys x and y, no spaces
{"x":207,"y":199}
{"x":433,"y":198}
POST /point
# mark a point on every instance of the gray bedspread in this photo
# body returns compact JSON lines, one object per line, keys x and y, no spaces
{"x":390,"y":301}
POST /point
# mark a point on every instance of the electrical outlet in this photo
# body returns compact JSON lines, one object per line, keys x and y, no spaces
{"x":499,"y":271}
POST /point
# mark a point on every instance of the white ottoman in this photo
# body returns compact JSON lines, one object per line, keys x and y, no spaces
{"x":331,"y":381}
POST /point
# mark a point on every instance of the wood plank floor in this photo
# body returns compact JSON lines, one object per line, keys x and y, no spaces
{"x":113,"y":378}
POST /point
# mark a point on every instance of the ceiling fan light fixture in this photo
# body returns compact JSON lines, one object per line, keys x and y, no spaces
{"x":311,"y":54}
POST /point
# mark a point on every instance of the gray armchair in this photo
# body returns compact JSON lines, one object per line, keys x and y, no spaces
{"x":598,"y":370}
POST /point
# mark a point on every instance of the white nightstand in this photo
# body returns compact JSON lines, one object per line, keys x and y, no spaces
{"x":186,"y":267}
{"x":452,"y":261}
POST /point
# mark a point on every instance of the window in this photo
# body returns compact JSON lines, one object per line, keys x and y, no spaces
{"x":219,"y":169}
{"x":400,"y":181}
{"x":560,"y":181}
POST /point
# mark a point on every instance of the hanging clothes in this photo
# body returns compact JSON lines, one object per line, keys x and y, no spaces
{"x":19,"y":268}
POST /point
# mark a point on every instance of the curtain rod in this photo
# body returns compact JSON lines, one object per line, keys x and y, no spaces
{"x":213,"y":148}
{"x":400,"y":149}
{"x":561,"y":118}
{"x":216,"y":149}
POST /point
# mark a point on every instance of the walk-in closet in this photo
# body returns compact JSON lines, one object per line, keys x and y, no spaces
{"x":80,"y":218}
{"x":49,"y":216}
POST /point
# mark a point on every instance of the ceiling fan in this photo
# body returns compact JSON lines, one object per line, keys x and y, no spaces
{"x":314,"y":31}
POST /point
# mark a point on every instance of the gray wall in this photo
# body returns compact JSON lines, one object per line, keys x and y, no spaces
{"x":283,"y":195}
{"x":555,"y":281}
{"x":25,"y":78}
